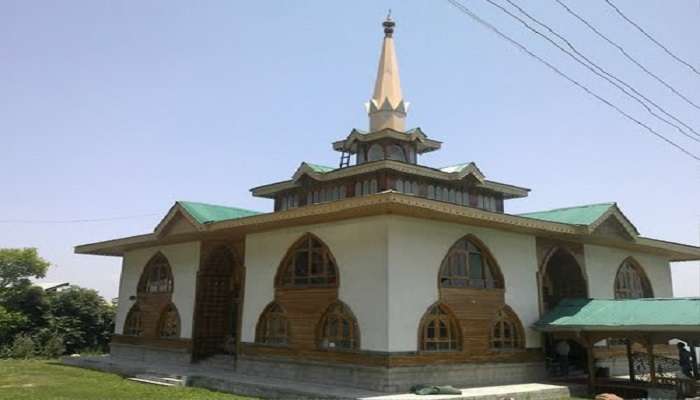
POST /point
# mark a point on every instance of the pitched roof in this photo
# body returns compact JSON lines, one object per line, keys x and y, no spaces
{"x":580,"y":215}
{"x":207,"y":213}
{"x":321,"y":169}
{"x":640,"y":314}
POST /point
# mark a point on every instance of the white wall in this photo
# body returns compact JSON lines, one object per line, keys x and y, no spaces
{"x":602,"y":264}
{"x":359,"y":248}
{"x":184,"y":262}
{"x":416,"y":249}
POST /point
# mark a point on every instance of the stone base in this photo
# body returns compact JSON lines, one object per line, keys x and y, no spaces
{"x":224,"y":379}
{"x":395,"y":379}
{"x":149,"y":354}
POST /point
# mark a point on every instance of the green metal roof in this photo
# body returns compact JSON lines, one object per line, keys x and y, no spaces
{"x":599,"y":314}
{"x":321,"y":169}
{"x":206,"y":213}
{"x":581,"y":215}
{"x":454,"y":168}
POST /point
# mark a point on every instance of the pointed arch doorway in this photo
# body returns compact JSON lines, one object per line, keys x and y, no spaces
{"x":562,"y":277}
{"x":218,"y":304}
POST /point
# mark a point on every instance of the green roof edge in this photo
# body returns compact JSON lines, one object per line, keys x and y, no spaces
{"x":205,"y":213}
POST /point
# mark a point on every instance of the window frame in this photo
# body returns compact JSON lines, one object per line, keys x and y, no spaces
{"x":452,"y":326}
{"x":633,"y":266}
{"x":465,"y":247}
{"x":506,"y":316}
{"x":134,"y":313}
{"x":288,"y":261}
{"x":262,"y":329}
{"x":161,"y":322}
{"x":160,"y":264}
{"x":342,"y":313}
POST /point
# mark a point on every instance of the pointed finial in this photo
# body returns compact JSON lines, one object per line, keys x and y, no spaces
{"x":388,"y":25}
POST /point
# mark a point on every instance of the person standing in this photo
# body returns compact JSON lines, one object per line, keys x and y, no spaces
{"x":685,"y":360}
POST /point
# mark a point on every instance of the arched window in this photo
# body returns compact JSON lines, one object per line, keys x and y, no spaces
{"x":439,"y":330}
{"x":631,"y":282}
{"x":395,"y":152}
{"x":338,"y":328}
{"x":273,"y":327}
{"x":169,"y":325}
{"x":375,"y":153}
{"x":156,"y":277}
{"x":309,"y":263}
{"x":466,"y":265}
{"x":506,"y":331}
{"x":133,"y":326}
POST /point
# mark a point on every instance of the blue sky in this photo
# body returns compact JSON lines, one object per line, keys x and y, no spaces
{"x":112,"y":109}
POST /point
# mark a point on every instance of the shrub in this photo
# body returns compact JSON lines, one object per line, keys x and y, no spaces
{"x":53,"y":347}
{"x":22,"y":347}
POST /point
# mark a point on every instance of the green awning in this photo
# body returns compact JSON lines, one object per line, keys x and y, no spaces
{"x":677,"y":314}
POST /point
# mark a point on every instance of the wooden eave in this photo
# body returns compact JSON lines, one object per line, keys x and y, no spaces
{"x":391,"y":202}
{"x":508,"y":191}
{"x":349,"y":144}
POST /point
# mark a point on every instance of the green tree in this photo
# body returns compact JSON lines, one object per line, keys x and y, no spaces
{"x":11,"y":323}
{"x":18,"y":265}
{"x":82,"y":318}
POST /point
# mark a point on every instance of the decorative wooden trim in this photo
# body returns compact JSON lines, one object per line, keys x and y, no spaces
{"x":401,"y":204}
{"x":554,"y":248}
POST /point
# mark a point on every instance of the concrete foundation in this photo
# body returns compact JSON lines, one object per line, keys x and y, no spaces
{"x":396,"y":379}
{"x":226,"y":379}
{"x":149,"y":355}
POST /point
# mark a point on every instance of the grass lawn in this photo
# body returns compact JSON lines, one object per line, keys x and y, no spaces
{"x":49,"y":380}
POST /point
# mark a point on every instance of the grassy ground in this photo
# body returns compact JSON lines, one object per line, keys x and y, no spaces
{"x":49,"y":380}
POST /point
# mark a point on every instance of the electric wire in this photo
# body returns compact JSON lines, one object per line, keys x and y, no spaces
{"x":465,"y":10}
{"x":626,"y":54}
{"x":596,"y":69}
{"x":650,"y":37}
{"x":73,"y":221}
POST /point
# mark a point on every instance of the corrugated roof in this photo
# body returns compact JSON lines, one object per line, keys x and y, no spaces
{"x":580,"y":215}
{"x":206,"y":213}
{"x":600,"y":314}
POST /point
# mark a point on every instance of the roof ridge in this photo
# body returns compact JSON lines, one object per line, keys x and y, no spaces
{"x":215,"y":205}
{"x":571,"y":207}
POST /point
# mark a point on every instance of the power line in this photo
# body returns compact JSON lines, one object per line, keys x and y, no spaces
{"x":73,"y":221}
{"x":595,"y":68}
{"x":639,"y":28}
{"x":464,"y":9}
{"x":626,"y":54}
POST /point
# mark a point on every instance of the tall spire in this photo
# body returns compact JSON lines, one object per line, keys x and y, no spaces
{"x":387,"y":108}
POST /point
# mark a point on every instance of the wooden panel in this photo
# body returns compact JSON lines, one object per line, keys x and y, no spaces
{"x":380,"y":359}
{"x":152,"y":305}
{"x":185,"y":344}
{"x":304,"y":308}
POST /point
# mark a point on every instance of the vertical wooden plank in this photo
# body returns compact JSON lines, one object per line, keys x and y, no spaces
{"x":630,"y":362}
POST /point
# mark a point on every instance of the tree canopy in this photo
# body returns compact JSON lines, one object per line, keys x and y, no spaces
{"x":19,"y":265}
